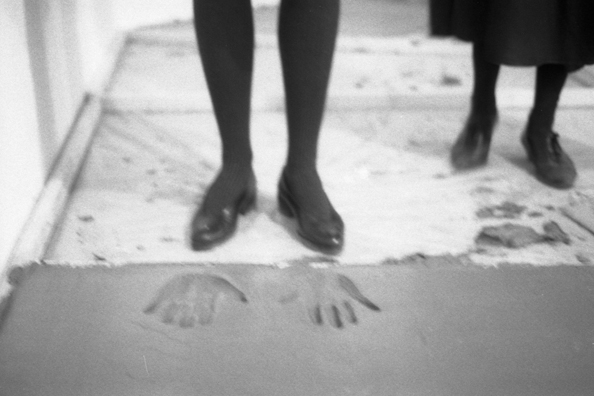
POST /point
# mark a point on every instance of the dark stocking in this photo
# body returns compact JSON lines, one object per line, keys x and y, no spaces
{"x":307,"y":36}
{"x":225,"y":34}
{"x":471,"y":148}
{"x":484,"y":104}
{"x":550,"y":80}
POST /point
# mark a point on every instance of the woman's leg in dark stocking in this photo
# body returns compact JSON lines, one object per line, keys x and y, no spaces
{"x":483,"y":103}
{"x":307,"y":36}
{"x":550,"y":80}
{"x":553,"y":165}
{"x":225,"y":34}
{"x":471,"y":149}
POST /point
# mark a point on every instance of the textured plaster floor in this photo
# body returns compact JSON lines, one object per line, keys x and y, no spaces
{"x":383,"y":158}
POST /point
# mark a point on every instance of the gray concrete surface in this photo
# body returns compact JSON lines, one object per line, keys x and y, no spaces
{"x":443,"y":330}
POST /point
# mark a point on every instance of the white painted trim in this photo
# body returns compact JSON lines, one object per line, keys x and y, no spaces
{"x":22,"y":153}
{"x":37,"y":232}
{"x":34,"y":239}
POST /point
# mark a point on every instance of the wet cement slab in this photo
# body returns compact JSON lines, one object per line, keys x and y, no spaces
{"x":299,"y":330}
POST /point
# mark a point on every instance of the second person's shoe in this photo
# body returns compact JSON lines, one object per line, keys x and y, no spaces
{"x":471,"y":148}
{"x":552,"y":165}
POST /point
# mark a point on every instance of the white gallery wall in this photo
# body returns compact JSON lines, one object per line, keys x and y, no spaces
{"x":22,"y":162}
{"x":51,"y":52}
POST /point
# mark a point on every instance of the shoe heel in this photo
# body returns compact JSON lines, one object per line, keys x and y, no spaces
{"x":247,"y":203}
{"x":527,"y":148}
{"x":284,"y":207}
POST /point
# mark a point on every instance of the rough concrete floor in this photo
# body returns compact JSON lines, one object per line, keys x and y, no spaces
{"x":383,"y":157}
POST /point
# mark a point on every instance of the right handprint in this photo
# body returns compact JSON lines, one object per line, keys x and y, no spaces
{"x":328,"y":296}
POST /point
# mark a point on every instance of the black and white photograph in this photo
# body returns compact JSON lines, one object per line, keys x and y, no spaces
{"x":297,"y":197}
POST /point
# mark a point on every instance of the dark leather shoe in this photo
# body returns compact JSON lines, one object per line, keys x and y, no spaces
{"x":471,"y":148}
{"x":552,"y":165}
{"x":213,"y":228}
{"x":325,"y":235}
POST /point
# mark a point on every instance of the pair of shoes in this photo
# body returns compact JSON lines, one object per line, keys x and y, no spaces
{"x":471,"y":148}
{"x":213,"y":228}
{"x":325,"y":235}
{"x":553,"y":166}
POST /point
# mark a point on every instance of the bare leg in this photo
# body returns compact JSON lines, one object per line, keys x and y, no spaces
{"x":225,"y":35}
{"x":307,"y":37}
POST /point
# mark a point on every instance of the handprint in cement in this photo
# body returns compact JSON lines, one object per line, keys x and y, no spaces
{"x":190,"y":297}
{"x":327,"y":296}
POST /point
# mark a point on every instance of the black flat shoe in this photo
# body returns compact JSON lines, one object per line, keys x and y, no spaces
{"x":471,"y":148}
{"x":324,"y":235}
{"x":213,"y":228}
{"x":552,"y":165}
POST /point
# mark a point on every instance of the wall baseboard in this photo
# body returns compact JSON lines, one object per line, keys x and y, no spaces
{"x":37,"y":232}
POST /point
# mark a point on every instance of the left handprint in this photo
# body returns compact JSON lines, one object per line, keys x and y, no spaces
{"x":190,"y":297}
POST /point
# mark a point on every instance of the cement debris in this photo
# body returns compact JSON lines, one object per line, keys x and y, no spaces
{"x":429,"y":261}
{"x":507,"y":210}
{"x":585,"y":259}
{"x":515,"y":236}
{"x":582,"y":214}
{"x":554,"y":233}
{"x":86,"y":218}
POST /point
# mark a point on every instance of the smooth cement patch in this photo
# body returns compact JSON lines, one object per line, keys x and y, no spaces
{"x":256,"y":330}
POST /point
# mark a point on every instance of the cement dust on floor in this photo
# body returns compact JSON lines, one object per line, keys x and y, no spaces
{"x":256,"y":330}
{"x":385,"y":168}
{"x":387,"y":173}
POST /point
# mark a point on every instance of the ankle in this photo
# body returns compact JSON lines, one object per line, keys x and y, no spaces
{"x":483,"y":104}
{"x":300,"y":171}
{"x":483,"y":111}
{"x":236,"y":161}
{"x":237,"y":170}
{"x":231,"y":181}
{"x":540,"y":123}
